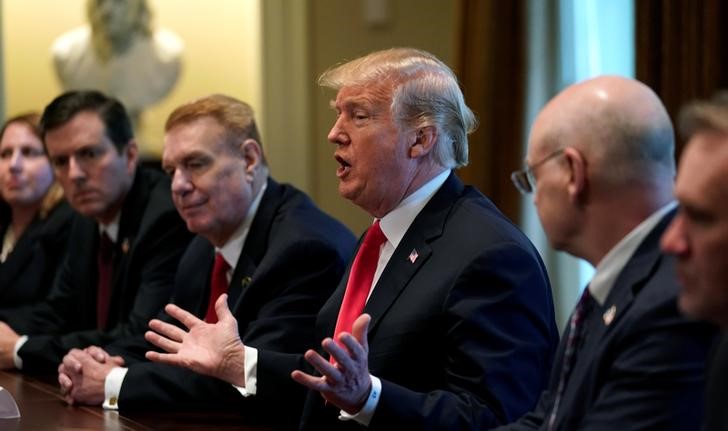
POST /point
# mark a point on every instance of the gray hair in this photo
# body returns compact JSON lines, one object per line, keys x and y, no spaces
{"x":425,"y":92}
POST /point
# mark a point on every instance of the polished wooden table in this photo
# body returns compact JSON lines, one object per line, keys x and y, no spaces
{"x":42,"y":408}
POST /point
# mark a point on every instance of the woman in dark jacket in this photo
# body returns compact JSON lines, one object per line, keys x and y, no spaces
{"x":34,"y":218}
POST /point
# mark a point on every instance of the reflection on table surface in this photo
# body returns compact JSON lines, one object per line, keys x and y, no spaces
{"x":42,"y":408}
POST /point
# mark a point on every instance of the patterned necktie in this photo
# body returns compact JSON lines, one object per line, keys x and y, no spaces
{"x":576,"y":333}
{"x":360,"y":279}
{"x":218,"y":286}
{"x":104,"y":260}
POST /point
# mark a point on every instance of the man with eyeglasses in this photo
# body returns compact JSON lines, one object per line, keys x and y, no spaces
{"x":600,"y":165}
{"x":124,"y":251}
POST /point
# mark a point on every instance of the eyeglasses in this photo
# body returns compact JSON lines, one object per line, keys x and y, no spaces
{"x":524,"y":179}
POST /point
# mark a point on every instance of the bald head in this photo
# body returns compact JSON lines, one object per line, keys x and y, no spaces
{"x":602,"y":160}
{"x":620,"y":126}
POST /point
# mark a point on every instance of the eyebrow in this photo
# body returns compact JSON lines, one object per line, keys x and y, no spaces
{"x":355,"y":102}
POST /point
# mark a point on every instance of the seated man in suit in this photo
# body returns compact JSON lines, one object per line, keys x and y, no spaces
{"x":458,"y":328}
{"x":282,"y":256}
{"x":125,"y":249}
{"x":698,"y":236}
{"x":600,"y":163}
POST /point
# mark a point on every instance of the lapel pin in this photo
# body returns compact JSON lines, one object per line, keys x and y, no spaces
{"x":609,"y":315}
{"x":246,"y":281}
{"x":125,"y":246}
{"x":413,"y":256}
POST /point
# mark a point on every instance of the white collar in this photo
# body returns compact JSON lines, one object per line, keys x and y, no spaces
{"x":234,"y":246}
{"x":613,"y":262}
{"x":111,"y":229}
{"x":396,"y":222}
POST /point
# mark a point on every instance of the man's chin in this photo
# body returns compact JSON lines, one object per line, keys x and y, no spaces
{"x":689,"y":305}
{"x":87,"y":210}
{"x":195,"y":226}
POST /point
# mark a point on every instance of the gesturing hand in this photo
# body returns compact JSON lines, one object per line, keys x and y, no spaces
{"x":212,"y":349}
{"x":345,"y":384}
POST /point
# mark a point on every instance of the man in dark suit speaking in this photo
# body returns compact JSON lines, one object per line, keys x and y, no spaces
{"x":264,"y":244}
{"x":458,"y":327}
{"x":600,"y":164}
{"x":123,"y":253}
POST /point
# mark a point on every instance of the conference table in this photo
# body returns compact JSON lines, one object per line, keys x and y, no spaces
{"x":42,"y":408}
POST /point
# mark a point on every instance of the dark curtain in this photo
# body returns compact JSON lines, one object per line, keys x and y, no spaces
{"x":490,"y":63}
{"x":682,"y":49}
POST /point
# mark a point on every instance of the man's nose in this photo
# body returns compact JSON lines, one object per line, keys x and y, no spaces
{"x":337,"y":135}
{"x":181,"y":184}
{"x":673,"y":240}
{"x":75,"y":170}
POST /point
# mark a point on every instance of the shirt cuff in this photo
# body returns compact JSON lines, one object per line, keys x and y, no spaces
{"x":251,"y":373}
{"x":364,"y":416}
{"x":112,"y":387}
{"x":17,"y":360}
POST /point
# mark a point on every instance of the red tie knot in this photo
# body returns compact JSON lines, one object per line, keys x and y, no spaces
{"x":374,"y":236}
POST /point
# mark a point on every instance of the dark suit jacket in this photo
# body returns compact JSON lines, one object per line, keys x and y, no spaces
{"x":462,"y":338}
{"x":152,"y":238}
{"x":644,"y":370}
{"x":293,"y":258}
{"x":716,"y":413}
{"x":28,"y":273}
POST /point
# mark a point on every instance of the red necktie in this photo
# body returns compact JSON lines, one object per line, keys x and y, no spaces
{"x":360,"y":278}
{"x":103,"y":290}
{"x":218,"y":286}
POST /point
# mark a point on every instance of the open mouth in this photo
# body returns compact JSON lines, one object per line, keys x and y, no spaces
{"x":344,"y":166}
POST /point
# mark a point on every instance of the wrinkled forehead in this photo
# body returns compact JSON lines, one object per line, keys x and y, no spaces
{"x":201,"y":134}
{"x":375,"y":93}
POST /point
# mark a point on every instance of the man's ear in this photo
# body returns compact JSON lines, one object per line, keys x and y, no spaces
{"x":578,"y":180}
{"x":253,"y":155}
{"x":423,"y":141}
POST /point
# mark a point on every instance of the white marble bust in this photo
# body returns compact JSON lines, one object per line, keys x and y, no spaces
{"x":118,"y":53}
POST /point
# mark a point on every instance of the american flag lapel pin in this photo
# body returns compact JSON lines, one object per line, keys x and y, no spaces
{"x":125,"y":246}
{"x":413,"y":256}
{"x":609,"y":315}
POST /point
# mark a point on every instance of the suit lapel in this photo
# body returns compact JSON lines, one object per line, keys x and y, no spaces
{"x":132,"y":212}
{"x":428,"y":225}
{"x":256,"y":244}
{"x":630,"y":281}
{"x":205,"y":254}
